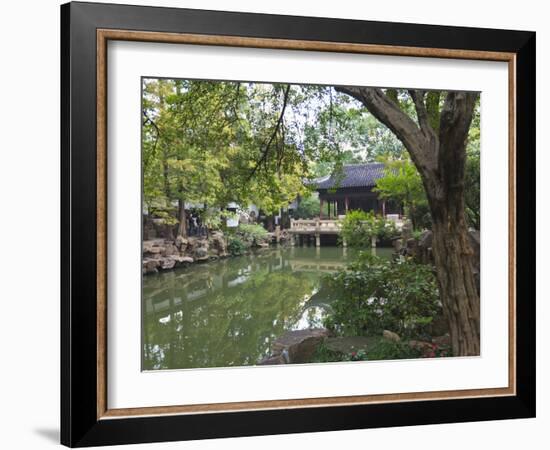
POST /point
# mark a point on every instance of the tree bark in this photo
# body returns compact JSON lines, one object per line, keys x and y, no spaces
{"x":182,"y":217}
{"x":439,"y":154}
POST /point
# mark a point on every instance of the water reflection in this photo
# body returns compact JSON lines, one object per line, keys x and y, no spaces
{"x":227,"y":313}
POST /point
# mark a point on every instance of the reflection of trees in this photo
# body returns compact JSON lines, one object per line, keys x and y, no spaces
{"x":244,"y":303}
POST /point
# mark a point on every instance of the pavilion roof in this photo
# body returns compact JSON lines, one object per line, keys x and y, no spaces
{"x":355,"y":175}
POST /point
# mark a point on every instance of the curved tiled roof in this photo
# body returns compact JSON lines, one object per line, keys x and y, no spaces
{"x":355,"y":175}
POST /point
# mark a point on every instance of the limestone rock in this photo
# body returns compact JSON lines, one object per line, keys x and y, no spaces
{"x":201,"y":252}
{"x":181,"y":260}
{"x":390,"y":336}
{"x":272,"y":360}
{"x":181,"y":243}
{"x":217,"y":243}
{"x":299,"y":345}
{"x":167,"y":263}
{"x":150,"y":265}
{"x":426,"y":239}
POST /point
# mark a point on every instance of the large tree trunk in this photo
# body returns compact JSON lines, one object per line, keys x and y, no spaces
{"x":453,"y":261}
{"x":437,"y":146}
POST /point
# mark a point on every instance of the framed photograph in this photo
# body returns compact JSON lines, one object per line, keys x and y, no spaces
{"x":276,"y":224}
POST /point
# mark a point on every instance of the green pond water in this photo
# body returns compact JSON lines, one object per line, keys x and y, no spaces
{"x":226,"y":313}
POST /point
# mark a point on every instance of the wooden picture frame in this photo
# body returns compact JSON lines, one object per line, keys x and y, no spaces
{"x":86,"y":418}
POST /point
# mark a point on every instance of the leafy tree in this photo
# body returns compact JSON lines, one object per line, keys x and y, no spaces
{"x":402,"y":183}
{"x":308,"y":208}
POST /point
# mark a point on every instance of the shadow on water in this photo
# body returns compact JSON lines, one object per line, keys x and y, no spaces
{"x":228,"y":312}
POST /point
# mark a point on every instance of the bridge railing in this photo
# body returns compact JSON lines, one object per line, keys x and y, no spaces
{"x":315,"y":225}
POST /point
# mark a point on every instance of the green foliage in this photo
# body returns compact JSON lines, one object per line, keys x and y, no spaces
{"x":375,"y":294}
{"x":380,"y":349}
{"x":252,"y":234}
{"x":235,"y":246}
{"x":385,"y":349}
{"x":401,"y":182}
{"x":359,"y":227}
{"x":308,"y":208}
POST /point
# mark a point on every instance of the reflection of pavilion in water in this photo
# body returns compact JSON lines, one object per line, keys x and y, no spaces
{"x":176,"y":287}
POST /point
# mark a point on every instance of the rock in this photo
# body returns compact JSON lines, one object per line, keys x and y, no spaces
{"x":181,"y":260}
{"x":169,"y":249}
{"x":424,"y":253}
{"x":150,"y":265}
{"x":444,"y":340}
{"x":300,"y":345}
{"x":155,"y":250}
{"x":167,"y":263}
{"x":397,"y":245}
{"x":406,"y":231}
{"x":425,"y":239}
{"x":218,"y":244}
{"x":181,"y":243}
{"x":390,"y":336}
{"x":272,"y":360}
{"x":349,"y":344}
{"x":201,"y":252}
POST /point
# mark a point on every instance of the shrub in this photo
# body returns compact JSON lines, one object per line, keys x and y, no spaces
{"x":236,"y":246}
{"x":385,"y":349}
{"x":375,"y":294}
{"x":359,"y":227}
{"x":252,"y":234}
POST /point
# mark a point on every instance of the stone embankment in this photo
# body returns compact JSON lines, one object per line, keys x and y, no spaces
{"x":165,"y":254}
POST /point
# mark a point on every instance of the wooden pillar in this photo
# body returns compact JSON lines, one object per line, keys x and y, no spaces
{"x":346,"y":203}
{"x":384,"y":208}
{"x":321,"y":210}
{"x":328,"y":207}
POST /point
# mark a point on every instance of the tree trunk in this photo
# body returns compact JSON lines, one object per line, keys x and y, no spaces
{"x":182,"y":217}
{"x":453,"y":261}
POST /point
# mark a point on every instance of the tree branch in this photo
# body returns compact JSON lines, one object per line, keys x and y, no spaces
{"x":266,"y":150}
{"x":421,"y":111}
{"x":407,"y":131}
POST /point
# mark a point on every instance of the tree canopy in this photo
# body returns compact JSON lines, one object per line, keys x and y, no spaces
{"x":209,"y":143}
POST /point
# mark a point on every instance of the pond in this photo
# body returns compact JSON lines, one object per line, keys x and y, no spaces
{"x":227,"y":313}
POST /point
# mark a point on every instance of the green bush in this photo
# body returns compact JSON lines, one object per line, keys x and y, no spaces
{"x":359,"y":227}
{"x":236,"y":246}
{"x":252,"y":234}
{"x":381,"y":349}
{"x":376,"y":294}
{"x":385,"y":349}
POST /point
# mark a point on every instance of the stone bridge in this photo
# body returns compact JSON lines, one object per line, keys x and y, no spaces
{"x":314,"y":227}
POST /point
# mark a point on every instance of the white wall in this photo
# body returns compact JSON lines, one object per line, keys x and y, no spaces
{"x":29,"y":322}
